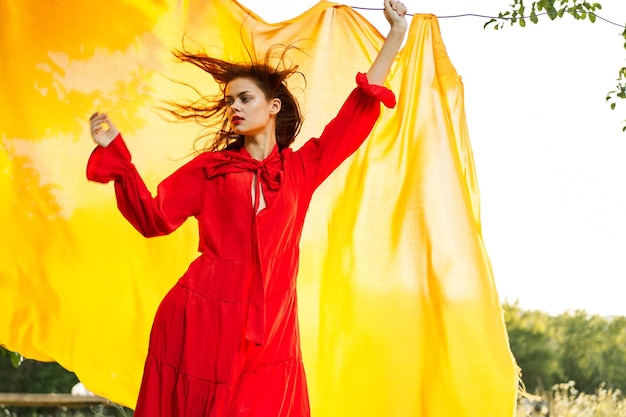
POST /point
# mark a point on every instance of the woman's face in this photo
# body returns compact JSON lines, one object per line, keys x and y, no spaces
{"x":248,"y":111}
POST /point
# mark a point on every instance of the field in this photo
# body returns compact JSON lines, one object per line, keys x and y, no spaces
{"x":566,"y":401}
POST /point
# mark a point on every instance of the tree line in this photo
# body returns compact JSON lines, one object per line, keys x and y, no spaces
{"x":573,"y":346}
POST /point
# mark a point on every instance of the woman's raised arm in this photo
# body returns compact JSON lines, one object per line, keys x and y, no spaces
{"x":395,"y":13}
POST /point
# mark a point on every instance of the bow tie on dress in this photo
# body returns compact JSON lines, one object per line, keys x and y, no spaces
{"x":229,"y":162}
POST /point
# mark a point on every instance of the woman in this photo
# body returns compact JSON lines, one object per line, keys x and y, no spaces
{"x":225,"y":339}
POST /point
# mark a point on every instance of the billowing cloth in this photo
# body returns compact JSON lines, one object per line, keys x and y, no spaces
{"x":398,"y":311}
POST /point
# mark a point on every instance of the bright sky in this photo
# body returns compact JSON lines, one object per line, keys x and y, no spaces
{"x":550,"y":154}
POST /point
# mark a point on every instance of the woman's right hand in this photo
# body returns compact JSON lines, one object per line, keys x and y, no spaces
{"x":102,"y":130}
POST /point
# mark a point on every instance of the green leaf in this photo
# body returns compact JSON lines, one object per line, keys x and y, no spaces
{"x":612,"y":106}
{"x":522,"y":22}
{"x":533,"y":17}
{"x":16,"y":359}
{"x":488,"y":23}
{"x":592,"y":17}
{"x":552,"y":13}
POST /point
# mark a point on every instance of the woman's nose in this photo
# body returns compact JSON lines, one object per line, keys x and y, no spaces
{"x":234,"y":105}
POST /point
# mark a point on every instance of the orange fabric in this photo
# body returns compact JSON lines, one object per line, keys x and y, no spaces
{"x":398,"y":310}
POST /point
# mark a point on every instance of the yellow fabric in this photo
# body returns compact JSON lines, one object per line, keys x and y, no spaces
{"x":398,"y":309}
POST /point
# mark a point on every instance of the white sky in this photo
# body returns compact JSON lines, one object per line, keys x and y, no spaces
{"x":550,"y":154}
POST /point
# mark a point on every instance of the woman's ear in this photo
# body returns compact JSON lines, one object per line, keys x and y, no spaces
{"x":275,"y":105}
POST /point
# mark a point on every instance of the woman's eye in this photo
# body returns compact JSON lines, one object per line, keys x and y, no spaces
{"x":245,"y":99}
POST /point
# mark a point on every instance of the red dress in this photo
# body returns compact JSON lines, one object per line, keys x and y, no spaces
{"x":225,"y":339}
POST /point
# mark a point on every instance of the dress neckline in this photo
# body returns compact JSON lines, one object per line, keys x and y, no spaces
{"x":244,"y":152}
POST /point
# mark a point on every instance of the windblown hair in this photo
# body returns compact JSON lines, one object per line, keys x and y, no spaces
{"x":211,"y":111}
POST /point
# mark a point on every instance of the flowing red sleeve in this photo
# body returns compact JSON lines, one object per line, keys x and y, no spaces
{"x":319,"y":157}
{"x":178,"y":197}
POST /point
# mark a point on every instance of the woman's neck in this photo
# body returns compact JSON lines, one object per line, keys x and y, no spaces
{"x":259,"y":147}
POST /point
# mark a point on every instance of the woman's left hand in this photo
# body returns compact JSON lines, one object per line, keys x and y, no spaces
{"x":395,"y":12}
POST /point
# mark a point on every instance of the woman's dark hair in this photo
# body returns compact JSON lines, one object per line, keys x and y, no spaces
{"x":271,"y":79}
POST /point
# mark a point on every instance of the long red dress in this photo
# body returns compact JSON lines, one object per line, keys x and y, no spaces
{"x":225,"y":339}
